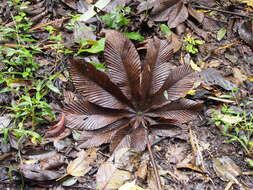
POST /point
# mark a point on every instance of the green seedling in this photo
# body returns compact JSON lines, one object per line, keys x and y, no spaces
{"x":29,"y":107}
{"x":191,"y":44}
{"x":237,"y":126}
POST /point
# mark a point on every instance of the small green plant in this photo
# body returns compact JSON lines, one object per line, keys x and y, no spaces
{"x":117,"y":19}
{"x":237,"y":126}
{"x":29,"y":106}
{"x":191,"y":44}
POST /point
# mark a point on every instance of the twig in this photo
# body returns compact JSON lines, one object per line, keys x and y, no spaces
{"x":218,"y":10}
{"x":158,"y":180}
{"x":221,"y":100}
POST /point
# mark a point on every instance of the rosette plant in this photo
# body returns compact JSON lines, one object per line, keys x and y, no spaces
{"x":132,"y":99}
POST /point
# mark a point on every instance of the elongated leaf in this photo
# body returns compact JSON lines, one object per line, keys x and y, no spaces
{"x":181,"y":111}
{"x":138,"y":139}
{"x":84,"y":115}
{"x":123,"y":63}
{"x":96,"y":139}
{"x":178,"y":83}
{"x":155,"y":70}
{"x":161,"y":5}
{"x":96,"y":86}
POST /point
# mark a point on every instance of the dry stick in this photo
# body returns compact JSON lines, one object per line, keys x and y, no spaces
{"x":223,"y":11}
{"x":158,"y":180}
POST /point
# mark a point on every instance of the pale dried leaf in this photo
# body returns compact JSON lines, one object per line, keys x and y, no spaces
{"x":81,"y":165}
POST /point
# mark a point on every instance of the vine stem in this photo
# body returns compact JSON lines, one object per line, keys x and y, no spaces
{"x":158,"y":179}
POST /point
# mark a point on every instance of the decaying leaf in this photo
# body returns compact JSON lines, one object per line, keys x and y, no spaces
{"x":91,"y":11}
{"x":174,"y":12}
{"x":121,"y":107}
{"x":245,"y":31}
{"x":81,"y":165}
{"x":41,"y":167}
{"x":130,"y":186}
{"x":57,"y":129}
{"x":109,"y":176}
{"x":212,"y":76}
{"x":226,"y":169}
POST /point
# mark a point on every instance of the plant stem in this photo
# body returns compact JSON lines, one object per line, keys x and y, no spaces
{"x":158,"y":180}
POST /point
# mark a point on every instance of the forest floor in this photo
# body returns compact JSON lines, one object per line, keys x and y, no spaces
{"x":37,"y":39}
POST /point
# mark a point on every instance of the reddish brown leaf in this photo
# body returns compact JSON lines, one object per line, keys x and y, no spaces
{"x":57,"y":129}
{"x":155,"y":68}
{"x":96,"y":86}
{"x":114,"y":111}
{"x":197,"y":15}
{"x":179,"y":82}
{"x":124,"y":64}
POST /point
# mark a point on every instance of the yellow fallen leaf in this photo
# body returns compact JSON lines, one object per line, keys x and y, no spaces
{"x":248,"y":2}
{"x":130,"y":186}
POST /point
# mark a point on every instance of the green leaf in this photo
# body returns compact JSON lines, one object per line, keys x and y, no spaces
{"x":98,"y":65}
{"x":20,"y":132}
{"x":165,"y":29}
{"x":99,"y":46}
{"x":51,"y":86}
{"x":134,"y":36}
{"x":221,"y":33}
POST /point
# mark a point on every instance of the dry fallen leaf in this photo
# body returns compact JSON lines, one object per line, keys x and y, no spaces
{"x":245,"y":31}
{"x":248,"y":2}
{"x":212,"y":76}
{"x":130,"y":186}
{"x":109,"y":176}
{"x":57,"y":129}
{"x":226,"y":169}
{"x":81,"y":165}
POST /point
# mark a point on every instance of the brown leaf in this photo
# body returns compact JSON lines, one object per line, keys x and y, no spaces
{"x":57,"y":129}
{"x":178,"y":83}
{"x":123,"y":63}
{"x":174,"y":15}
{"x":95,"y":85}
{"x":199,"y":16}
{"x":245,"y":31}
{"x":84,"y":115}
{"x":155,"y":67}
